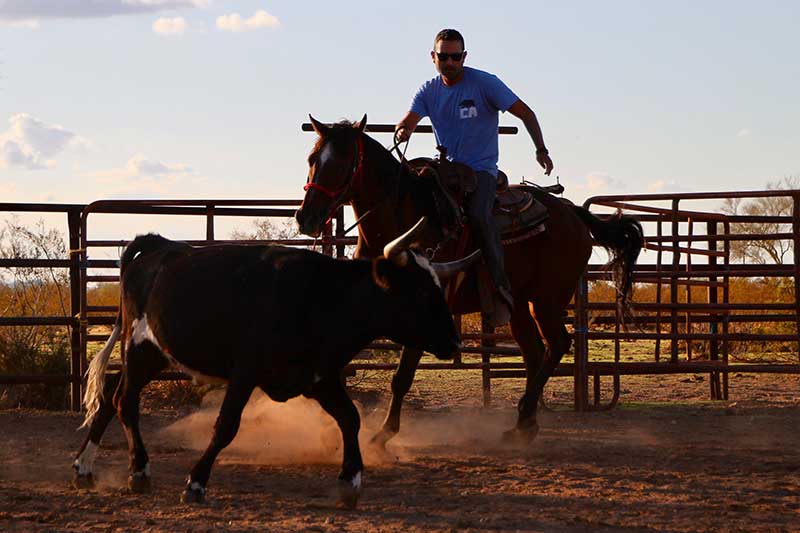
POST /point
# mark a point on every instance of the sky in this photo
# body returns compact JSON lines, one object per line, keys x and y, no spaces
{"x":205,"y":98}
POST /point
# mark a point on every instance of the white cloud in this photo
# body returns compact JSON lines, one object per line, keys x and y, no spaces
{"x":32,"y":143}
{"x":671,"y":186}
{"x":170,"y":26}
{"x":141,"y":176}
{"x":28,"y":24}
{"x":31,"y":10}
{"x":599,"y":182}
{"x":744,"y":132}
{"x":235,"y":23}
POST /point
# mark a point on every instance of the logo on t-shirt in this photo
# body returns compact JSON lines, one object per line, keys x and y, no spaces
{"x":467,"y":109}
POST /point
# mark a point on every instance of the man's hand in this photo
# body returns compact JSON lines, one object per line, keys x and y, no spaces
{"x":402,"y":134}
{"x":543,"y":158}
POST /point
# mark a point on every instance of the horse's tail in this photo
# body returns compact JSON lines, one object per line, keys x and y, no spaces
{"x":623,"y":238}
{"x":95,"y":377}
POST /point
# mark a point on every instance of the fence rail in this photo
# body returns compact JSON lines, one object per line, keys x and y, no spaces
{"x":692,"y":248}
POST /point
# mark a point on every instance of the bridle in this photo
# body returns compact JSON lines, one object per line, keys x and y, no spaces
{"x":339,"y":196}
{"x":356,"y":175}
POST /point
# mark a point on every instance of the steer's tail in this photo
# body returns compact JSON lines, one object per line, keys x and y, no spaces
{"x":97,"y":375}
{"x":95,"y":378}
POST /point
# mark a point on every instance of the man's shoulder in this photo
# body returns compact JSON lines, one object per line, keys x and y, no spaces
{"x":480,"y":75}
{"x":429,"y":84}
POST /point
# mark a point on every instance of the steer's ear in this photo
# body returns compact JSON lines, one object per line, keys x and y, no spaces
{"x":383,"y":271}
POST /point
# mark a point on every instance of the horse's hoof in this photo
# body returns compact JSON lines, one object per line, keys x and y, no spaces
{"x":191,"y":495}
{"x":521,"y":436}
{"x":348,"y":495}
{"x":82,"y":481}
{"x":139,"y":484}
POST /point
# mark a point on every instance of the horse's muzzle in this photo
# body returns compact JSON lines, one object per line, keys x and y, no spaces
{"x":307,"y":224}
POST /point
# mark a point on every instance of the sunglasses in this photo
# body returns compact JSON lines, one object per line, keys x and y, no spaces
{"x":455,"y":57}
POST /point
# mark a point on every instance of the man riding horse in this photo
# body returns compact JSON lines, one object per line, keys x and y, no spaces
{"x":462,"y":104}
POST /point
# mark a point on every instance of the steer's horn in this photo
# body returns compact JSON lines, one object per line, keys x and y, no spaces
{"x":446,"y":270}
{"x":394,"y":249}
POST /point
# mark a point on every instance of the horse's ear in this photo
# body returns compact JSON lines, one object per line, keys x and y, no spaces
{"x":318,"y":126}
{"x":361,"y":124}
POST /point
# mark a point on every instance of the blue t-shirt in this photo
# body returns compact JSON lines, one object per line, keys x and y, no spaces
{"x":465,"y":116}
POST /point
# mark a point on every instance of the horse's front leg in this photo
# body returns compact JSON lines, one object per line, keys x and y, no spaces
{"x":401,"y":384}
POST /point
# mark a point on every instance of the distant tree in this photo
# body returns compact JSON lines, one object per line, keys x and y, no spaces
{"x":760,"y":250}
{"x":265,"y":229}
{"x":32,"y":292}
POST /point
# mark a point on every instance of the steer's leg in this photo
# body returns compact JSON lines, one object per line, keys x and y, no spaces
{"x":143,"y":362}
{"x":333,"y":398}
{"x":401,"y":384}
{"x":240,"y":387}
{"x":84,"y":461}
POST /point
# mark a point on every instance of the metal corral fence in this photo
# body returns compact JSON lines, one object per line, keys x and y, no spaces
{"x":676,"y":317}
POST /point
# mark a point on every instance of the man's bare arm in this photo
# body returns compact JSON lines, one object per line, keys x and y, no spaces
{"x":406,"y":127}
{"x":521,"y":110}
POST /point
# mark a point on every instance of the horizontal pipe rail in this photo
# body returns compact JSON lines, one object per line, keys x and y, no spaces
{"x":389,"y":128}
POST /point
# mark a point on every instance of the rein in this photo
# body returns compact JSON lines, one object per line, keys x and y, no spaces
{"x":399,"y":171}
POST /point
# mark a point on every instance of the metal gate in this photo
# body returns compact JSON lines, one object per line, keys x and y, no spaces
{"x":692,"y":249}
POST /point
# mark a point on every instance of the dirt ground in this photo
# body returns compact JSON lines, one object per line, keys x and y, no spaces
{"x":666,"y":459}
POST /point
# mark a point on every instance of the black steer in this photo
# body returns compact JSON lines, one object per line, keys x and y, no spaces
{"x":279,"y":318}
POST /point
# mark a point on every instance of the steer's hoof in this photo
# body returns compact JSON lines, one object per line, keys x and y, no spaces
{"x":139,"y":484}
{"x":348,"y":495}
{"x":82,"y":481}
{"x":521,"y":436}
{"x":191,"y":495}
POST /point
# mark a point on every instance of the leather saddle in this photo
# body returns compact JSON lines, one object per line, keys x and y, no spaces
{"x":515,"y":209}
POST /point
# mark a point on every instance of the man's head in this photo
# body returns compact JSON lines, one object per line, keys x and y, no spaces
{"x":448,"y":54}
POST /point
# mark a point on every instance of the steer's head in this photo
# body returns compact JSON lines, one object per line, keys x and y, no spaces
{"x":418,"y":314}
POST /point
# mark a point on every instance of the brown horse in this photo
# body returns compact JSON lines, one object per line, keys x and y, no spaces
{"x":346,"y":165}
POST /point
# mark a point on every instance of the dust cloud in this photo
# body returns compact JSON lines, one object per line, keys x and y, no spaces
{"x":299,"y":431}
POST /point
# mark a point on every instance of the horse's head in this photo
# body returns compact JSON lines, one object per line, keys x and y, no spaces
{"x":335,"y":167}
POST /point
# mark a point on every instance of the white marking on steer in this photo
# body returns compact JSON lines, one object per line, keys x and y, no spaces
{"x":424,"y":263}
{"x":356,"y":481}
{"x":85,"y":460}
{"x":197,"y":486}
{"x":142,"y":332}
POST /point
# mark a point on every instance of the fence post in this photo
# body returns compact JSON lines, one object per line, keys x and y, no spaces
{"x":340,"y":232}
{"x":74,"y":225}
{"x":210,"y":224}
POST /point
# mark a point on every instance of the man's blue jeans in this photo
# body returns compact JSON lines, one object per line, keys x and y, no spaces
{"x":479,"y":210}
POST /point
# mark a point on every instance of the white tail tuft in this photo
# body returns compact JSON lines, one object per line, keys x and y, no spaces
{"x":96,"y":378}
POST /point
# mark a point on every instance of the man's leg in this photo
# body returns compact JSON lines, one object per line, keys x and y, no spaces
{"x":479,"y":210}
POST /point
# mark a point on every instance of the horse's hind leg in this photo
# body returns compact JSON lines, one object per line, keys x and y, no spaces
{"x":84,"y":461}
{"x":144,"y":362}
{"x":551,"y":326}
{"x":401,"y":384}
